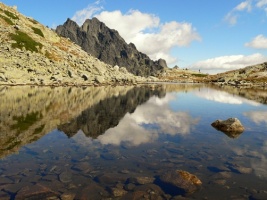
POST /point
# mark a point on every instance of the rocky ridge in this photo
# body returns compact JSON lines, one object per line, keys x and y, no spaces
{"x":31,"y":53}
{"x":106,"y":44}
{"x":255,"y":75}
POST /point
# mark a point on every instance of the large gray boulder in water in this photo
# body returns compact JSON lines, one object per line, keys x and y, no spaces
{"x":231,"y":127}
{"x":107,"y":45}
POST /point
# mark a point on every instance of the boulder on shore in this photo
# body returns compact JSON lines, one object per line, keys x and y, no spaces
{"x":231,"y":127}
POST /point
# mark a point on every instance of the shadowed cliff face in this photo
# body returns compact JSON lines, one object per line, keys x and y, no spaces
{"x":107,"y":45}
{"x":28,"y":113}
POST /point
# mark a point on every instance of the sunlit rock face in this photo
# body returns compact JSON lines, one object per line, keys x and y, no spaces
{"x":107,"y":45}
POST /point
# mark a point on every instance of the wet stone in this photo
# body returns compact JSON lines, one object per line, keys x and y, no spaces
{"x":67,"y":196}
{"x":65,"y":177}
{"x":111,"y":178}
{"x":92,"y":191}
{"x":141,"y":180}
{"x":117,"y":192}
{"x":183,"y":181}
{"x":4,"y":196}
{"x":82,"y":166}
{"x":129,"y":186}
{"x":37,"y":191}
{"x":239,"y":169}
{"x":218,"y":182}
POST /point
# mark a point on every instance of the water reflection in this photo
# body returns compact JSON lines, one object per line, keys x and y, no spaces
{"x":257,"y":116}
{"x":167,"y":127}
{"x":224,"y":97}
{"x":149,"y":121}
{"x":28,"y":113}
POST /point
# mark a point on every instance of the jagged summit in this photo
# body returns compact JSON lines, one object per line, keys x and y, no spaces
{"x":107,"y":45}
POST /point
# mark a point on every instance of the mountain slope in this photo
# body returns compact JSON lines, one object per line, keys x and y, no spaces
{"x":107,"y":45}
{"x":255,"y":75}
{"x":31,"y":53}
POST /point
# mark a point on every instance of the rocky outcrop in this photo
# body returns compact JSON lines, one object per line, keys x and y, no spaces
{"x":250,"y":76}
{"x":232,"y":127}
{"x":107,"y":45}
{"x":31,"y":53}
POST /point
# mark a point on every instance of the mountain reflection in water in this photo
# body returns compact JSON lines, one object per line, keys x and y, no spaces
{"x":98,"y":142}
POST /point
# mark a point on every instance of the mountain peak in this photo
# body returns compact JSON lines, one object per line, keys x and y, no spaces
{"x":107,"y":45}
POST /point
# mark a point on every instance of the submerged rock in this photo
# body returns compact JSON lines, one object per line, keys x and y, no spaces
{"x":232,"y":127}
{"x":181,"y":180}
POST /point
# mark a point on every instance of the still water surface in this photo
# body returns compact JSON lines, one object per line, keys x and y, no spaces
{"x":99,"y":142}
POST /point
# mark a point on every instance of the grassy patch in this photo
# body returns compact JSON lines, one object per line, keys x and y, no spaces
{"x":200,"y":75}
{"x":10,"y":15}
{"x":23,"y":40}
{"x":24,"y":123}
{"x":7,"y":20}
{"x":37,"y":31}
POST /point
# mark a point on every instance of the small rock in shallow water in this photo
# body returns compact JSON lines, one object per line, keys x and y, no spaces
{"x":65,"y":177}
{"x":182,"y":180}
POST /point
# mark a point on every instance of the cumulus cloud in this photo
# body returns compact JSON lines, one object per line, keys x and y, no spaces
{"x":87,"y":13}
{"x":259,"y":42}
{"x":145,"y":30}
{"x":232,"y":16}
{"x":262,"y":4}
{"x":148,"y":122}
{"x":224,"y":63}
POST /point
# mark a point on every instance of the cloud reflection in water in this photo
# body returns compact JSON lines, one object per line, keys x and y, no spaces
{"x":223,"y":97}
{"x":147,"y":123}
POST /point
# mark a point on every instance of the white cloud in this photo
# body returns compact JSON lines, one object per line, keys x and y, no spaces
{"x":245,"y":5}
{"x":87,"y":13}
{"x":261,"y":3}
{"x":232,"y":16}
{"x":145,"y":30}
{"x":259,"y":42}
{"x":148,"y":34}
{"x":224,"y":63}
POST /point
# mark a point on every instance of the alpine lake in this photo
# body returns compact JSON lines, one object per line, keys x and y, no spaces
{"x":121,"y":142}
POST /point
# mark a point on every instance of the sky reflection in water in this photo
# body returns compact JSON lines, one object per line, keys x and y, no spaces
{"x":160,"y":128}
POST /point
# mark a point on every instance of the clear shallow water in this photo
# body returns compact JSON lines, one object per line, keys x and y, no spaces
{"x":91,"y":143}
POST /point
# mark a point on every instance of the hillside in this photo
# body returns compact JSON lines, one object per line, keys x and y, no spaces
{"x":31,"y":53}
{"x":255,"y":75}
{"x":107,"y":45}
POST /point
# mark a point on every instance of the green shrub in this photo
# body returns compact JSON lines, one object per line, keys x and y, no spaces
{"x":10,"y":14}
{"x":37,"y":31}
{"x":23,"y":40}
{"x":7,"y":20}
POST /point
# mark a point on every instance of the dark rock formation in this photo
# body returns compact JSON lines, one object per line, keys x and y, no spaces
{"x":107,"y":45}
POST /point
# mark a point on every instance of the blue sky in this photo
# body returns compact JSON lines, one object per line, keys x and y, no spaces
{"x":212,"y":36}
